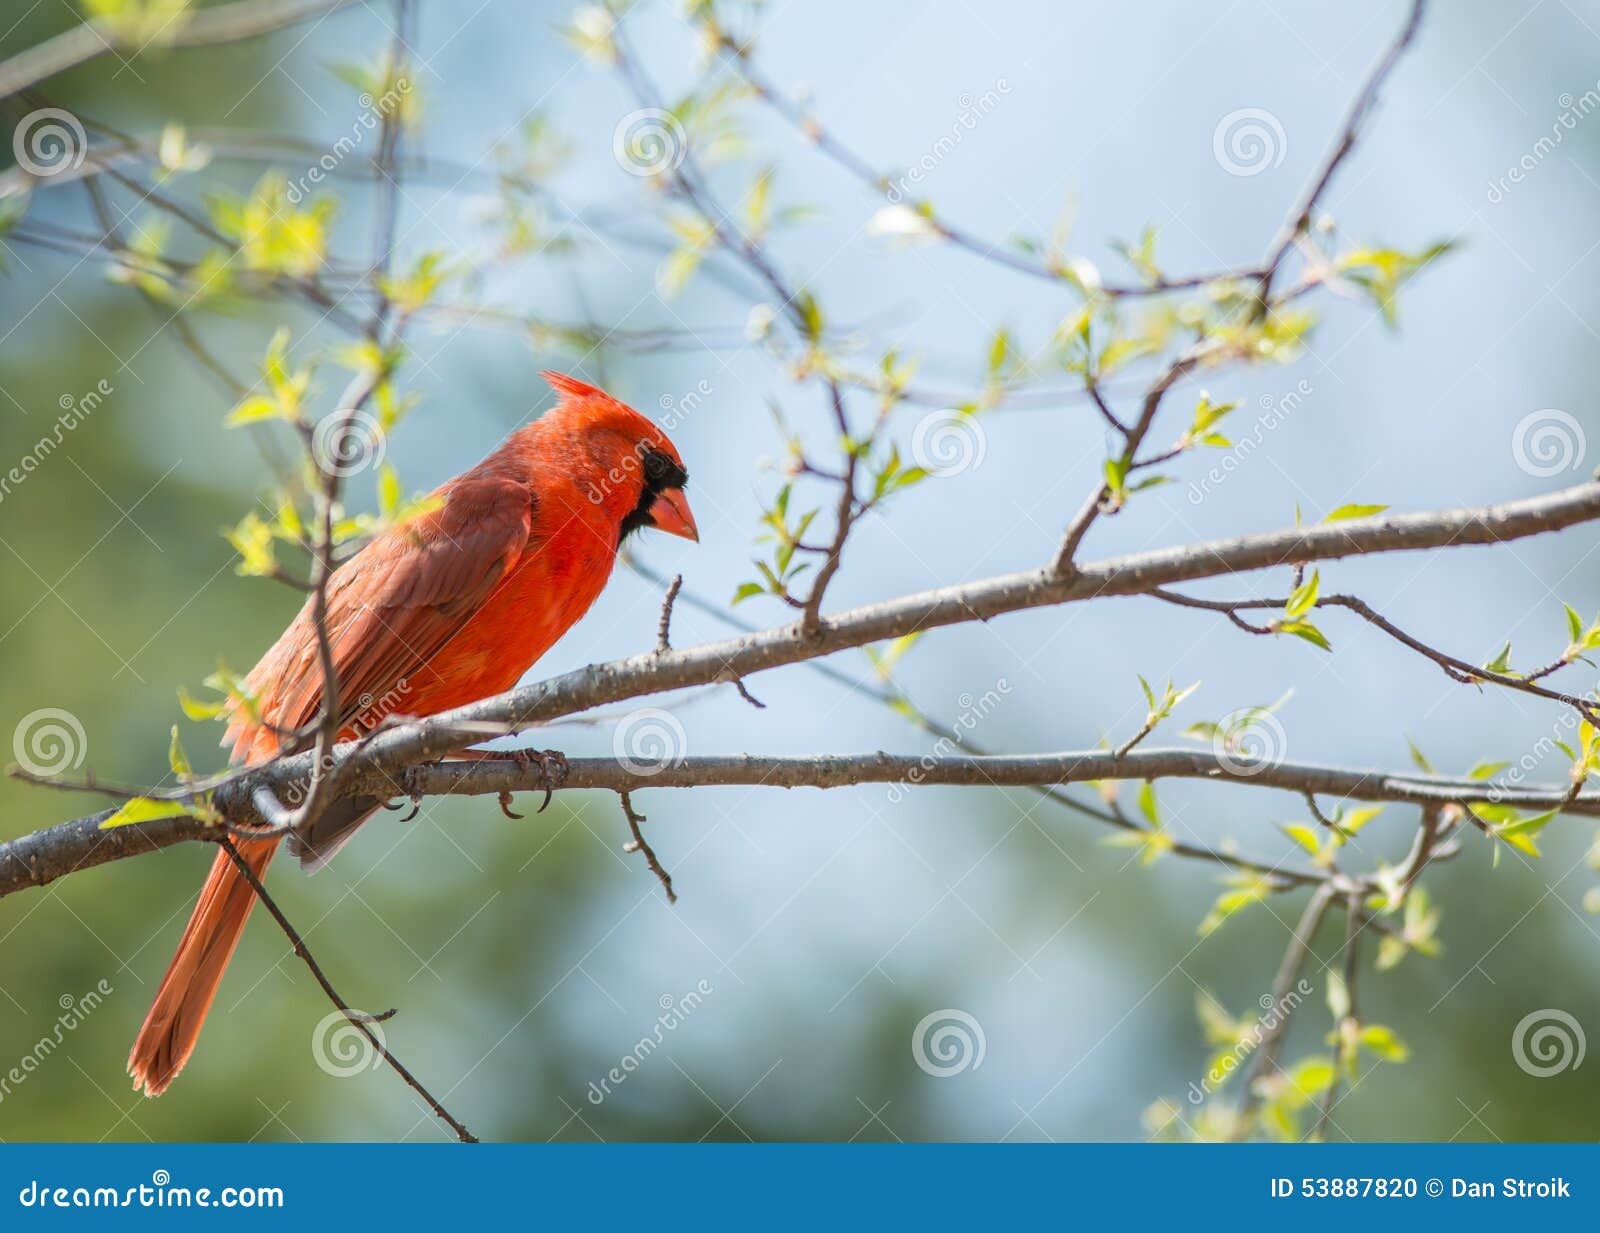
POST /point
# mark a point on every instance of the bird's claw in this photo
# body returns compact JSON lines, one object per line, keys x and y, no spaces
{"x":553,"y":768}
{"x":411,"y":781}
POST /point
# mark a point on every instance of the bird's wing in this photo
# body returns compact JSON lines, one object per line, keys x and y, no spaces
{"x":397,"y":602}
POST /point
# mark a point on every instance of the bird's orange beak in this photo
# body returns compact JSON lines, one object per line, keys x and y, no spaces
{"x":670,"y":513}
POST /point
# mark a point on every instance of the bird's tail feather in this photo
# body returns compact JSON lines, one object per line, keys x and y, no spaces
{"x":334,"y":828}
{"x":187,"y":990}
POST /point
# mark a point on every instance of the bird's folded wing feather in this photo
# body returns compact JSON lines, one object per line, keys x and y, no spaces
{"x":395,"y":605}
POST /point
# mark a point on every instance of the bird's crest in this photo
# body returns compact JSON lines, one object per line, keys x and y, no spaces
{"x":571,"y":387}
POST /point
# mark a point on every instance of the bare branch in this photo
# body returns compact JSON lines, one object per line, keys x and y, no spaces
{"x":664,"y":625}
{"x":1294,"y":958}
{"x":41,"y":857}
{"x":359,"y":1019}
{"x":224,"y":23}
{"x":640,"y":844}
{"x":1299,"y":218}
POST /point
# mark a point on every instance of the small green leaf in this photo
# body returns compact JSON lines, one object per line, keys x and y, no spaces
{"x":252,"y":411}
{"x":1384,"y":1043}
{"x":1306,"y":630}
{"x":1233,"y":901}
{"x":1147,"y":803}
{"x":1338,"y":994}
{"x":1346,"y":512}
{"x":177,"y":758}
{"x":1116,"y":473}
{"x":1304,"y":598}
{"x":198,"y":710}
{"x":142,"y":809}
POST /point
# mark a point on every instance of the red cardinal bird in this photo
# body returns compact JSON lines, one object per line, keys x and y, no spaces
{"x":452,"y":607}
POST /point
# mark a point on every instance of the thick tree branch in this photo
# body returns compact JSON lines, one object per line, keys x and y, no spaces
{"x":372,"y":766}
{"x":40,"y":858}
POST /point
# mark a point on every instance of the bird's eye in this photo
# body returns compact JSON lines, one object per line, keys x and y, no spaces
{"x":660,"y":471}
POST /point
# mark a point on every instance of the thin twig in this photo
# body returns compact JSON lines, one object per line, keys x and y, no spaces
{"x":640,"y":844}
{"x":1455,"y":668}
{"x":1299,"y":217}
{"x":664,"y":625}
{"x":358,"y":1018}
{"x":1345,"y":1028}
{"x":1294,"y":958}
